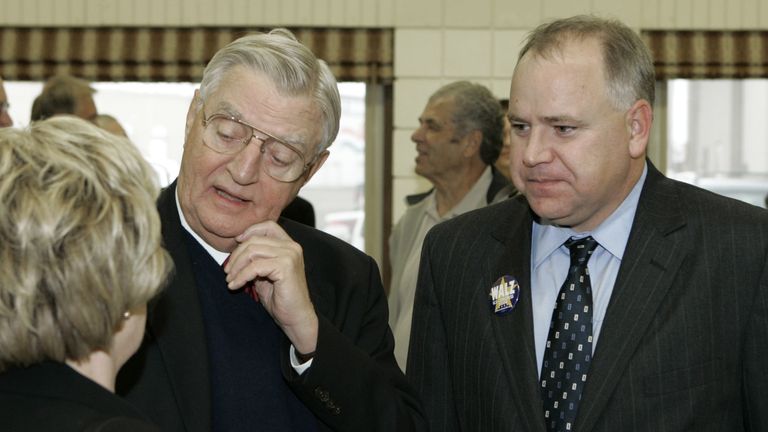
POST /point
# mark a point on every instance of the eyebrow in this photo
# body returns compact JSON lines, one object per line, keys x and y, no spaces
{"x":431,"y":122}
{"x":555,"y":119}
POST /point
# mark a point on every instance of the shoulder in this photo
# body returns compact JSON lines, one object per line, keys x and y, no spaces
{"x":492,"y":218}
{"x":323,"y":247}
{"x":708,"y":206}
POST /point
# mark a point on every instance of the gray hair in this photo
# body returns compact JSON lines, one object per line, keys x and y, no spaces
{"x":475,"y":108}
{"x":627,"y":60}
{"x":291,"y":66}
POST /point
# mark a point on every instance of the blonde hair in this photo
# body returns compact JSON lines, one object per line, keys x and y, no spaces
{"x":80,"y":239}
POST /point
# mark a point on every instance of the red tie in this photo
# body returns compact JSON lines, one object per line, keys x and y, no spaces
{"x":249,"y":287}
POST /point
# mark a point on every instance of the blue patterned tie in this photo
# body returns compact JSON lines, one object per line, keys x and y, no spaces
{"x":569,"y":344}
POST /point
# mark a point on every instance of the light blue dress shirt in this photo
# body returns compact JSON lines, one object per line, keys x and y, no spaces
{"x":550,"y":260}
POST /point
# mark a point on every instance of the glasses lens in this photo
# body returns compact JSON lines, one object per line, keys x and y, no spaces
{"x":281,"y":162}
{"x":225,"y":135}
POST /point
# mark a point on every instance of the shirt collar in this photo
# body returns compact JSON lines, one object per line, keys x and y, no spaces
{"x":214,"y":253}
{"x":612,"y":234}
{"x":475,"y":198}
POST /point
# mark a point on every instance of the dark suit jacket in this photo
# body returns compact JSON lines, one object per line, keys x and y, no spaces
{"x":354,"y":383}
{"x":684,"y":343}
{"x":53,"y":397}
{"x":300,"y":210}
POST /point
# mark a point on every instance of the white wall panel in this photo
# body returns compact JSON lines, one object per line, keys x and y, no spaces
{"x":516,"y":13}
{"x":649,"y":13}
{"x":472,"y":14}
{"x":565,"y":8}
{"x":666,"y":16}
{"x":506,"y":45}
{"x":403,"y":153}
{"x":418,"y":53}
{"x":410,"y":97}
{"x":467,"y":53}
{"x":733,"y":15}
{"x":629,"y":13}
{"x":418,"y":13}
{"x":304,"y":13}
{"x":750,"y":14}
{"x":763,"y":15}
{"x":683,"y":13}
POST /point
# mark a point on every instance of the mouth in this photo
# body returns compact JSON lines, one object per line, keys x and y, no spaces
{"x":229,"y":196}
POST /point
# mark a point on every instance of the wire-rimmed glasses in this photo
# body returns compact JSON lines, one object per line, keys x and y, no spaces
{"x":226,"y":134}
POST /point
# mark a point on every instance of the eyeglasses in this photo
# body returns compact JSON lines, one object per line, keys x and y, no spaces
{"x":229,"y":135}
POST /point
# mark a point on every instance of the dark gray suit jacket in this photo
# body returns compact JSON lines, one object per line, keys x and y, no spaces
{"x":684,"y":343}
{"x":353,"y":384}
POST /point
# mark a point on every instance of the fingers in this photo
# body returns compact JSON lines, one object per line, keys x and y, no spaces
{"x":268,"y":229}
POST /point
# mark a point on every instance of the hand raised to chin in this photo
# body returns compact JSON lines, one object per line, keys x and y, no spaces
{"x":274,"y":262}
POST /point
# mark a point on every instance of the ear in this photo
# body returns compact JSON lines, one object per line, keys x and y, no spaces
{"x":194,"y":107}
{"x":473,"y":141}
{"x":316,"y":166}
{"x":639,"y":119}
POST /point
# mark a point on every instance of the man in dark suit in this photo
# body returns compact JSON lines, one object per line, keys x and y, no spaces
{"x":267,"y":324}
{"x":671,"y":307}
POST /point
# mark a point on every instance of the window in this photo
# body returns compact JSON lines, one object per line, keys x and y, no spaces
{"x":717,"y":136}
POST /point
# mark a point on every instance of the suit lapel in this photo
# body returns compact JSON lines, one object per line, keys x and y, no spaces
{"x":651,"y":260}
{"x":514,"y":331}
{"x":178,"y":326}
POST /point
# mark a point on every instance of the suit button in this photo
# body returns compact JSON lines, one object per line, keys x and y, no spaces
{"x":322,"y":394}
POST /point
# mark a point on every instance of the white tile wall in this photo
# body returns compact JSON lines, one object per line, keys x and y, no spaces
{"x":403,"y":153}
{"x":506,"y":44}
{"x":463,"y":13}
{"x":467,"y":53}
{"x":418,"y":53}
{"x":516,"y":13}
{"x":418,"y":13}
{"x":410,"y":97}
{"x":562,"y":8}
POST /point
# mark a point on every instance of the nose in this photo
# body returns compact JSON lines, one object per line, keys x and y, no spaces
{"x":418,"y":135}
{"x":245,"y":166}
{"x":537,"y":150}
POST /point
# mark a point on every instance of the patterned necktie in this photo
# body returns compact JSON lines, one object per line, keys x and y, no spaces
{"x":569,"y":344}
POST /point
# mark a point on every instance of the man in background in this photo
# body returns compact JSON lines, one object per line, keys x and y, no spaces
{"x":265,"y":325}
{"x":5,"y":117}
{"x":502,"y":162}
{"x":458,"y":140}
{"x":65,"y":94}
{"x":110,"y":124}
{"x":607,"y":297}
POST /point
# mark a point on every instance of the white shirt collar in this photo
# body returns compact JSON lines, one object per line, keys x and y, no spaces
{"x":213,"y":252}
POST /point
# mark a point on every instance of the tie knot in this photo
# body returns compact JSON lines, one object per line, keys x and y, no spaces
{"x":581,"y":249}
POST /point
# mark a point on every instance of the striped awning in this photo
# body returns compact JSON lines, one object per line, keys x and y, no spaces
{"x":175,"y":54}
{"x":708,"y":54}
